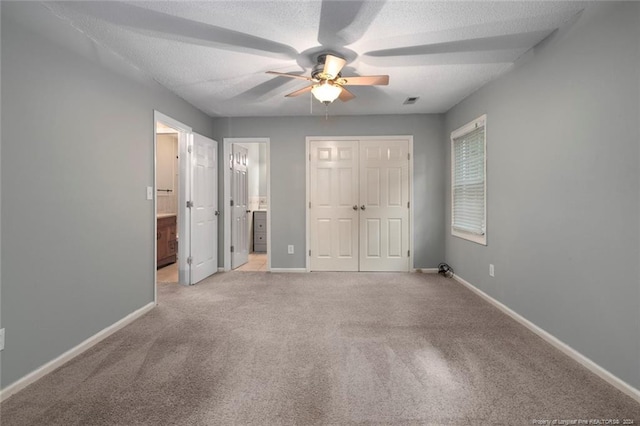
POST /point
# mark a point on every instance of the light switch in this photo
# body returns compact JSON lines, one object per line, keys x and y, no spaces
{"x":1,"y":339}
{"x":149,"y":192}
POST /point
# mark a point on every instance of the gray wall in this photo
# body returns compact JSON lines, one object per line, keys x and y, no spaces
{"x":288,"y":174}
{"x":0,"y":191}
{"x":77,"y":230}
{"x":563,"y":188}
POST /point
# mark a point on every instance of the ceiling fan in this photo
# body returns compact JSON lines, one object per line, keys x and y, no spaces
{"x":328,"y":83}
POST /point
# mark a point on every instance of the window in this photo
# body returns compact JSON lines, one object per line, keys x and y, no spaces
{"x":468,"y":182}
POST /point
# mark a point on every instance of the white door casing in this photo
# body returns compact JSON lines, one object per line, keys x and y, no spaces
{"x":333,"y":209}
{"x":376,"y":179}
{"x":183,"y":218}
{"x":384,"y":200}
{"x":204,"y":212}
{"x":240,"y":207}
{"x":225,"y":211}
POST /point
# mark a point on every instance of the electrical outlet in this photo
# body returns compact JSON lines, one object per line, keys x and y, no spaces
{"x":1,"y":339}
{"x":491,"y":270}
{"x":290,"y":249}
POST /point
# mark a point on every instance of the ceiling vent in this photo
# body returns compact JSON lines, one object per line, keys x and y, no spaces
{"x":411,"y":100}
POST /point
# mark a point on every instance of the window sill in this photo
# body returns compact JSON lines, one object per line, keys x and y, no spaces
{"x":478,"y":239}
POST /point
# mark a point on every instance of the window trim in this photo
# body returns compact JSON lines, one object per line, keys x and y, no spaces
{"x":461,"y":131}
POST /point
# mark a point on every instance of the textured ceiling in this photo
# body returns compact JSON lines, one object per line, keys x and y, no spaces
{"x":215,"y":54}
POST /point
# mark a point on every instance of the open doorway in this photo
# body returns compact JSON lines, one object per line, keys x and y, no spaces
{"x":170,"y":164}
{"x":247,"y":193}
{"x":186,"y":203}
{"x":167,"y":190}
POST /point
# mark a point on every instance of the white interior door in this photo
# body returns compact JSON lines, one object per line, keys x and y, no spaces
{"x":359,"y":205}
{"x":384,"y":198}
{"x":204,"y":213}
{"x":239,"y":207}
{"x":334,"y":205}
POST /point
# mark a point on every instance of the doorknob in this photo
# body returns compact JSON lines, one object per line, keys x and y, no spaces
{"x":355,"y":207}
{"x":362,"y":207}
{"x":217,"y":213}
{"x":247,"y":211}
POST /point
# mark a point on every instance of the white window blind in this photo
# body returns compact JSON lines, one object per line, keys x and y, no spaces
{"x":468,"y":180}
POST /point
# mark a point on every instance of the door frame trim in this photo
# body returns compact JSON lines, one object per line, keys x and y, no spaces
{"x":309,"y":139}
{"x":224,"y":208}
{"x":184,"y":137}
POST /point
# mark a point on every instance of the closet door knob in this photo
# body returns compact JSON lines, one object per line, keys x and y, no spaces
{"x":355,"y":207}
{"x":362,"y":207}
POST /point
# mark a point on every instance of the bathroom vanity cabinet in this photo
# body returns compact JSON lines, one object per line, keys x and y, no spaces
{"x":167,"y":242}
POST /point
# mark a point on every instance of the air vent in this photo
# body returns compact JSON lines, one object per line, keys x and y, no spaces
{"x":411,"y":100}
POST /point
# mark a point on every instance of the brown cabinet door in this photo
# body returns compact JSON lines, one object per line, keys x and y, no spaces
{"x":163,"y":248}
{"x":171,"y":240}
{"x":166,"y":239}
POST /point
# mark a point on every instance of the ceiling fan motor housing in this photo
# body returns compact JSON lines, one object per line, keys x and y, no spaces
{"x":318,"y":69}
{"x":327,"y":82}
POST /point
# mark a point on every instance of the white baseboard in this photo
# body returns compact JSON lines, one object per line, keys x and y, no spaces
{"x":607,"y":376}
{"x":426,"y":270}
{"x":220,"y":269}
{"x":296,"y":270}
{"x":47,"y":368}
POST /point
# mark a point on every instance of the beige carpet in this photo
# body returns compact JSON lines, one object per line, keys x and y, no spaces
{"x":322,"y":348}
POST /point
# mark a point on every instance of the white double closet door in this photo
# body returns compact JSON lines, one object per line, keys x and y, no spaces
{"x":359,"y":205}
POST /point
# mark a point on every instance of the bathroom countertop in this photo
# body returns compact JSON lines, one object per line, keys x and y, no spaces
{"x":163,"y":215}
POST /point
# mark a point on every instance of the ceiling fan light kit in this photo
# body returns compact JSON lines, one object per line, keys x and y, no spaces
{"x":326,"y":92}
{"x":327,"y":81}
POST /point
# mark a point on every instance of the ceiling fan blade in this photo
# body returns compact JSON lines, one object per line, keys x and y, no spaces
{"x":492,"y":57}
{"x":284,"y":74}
{"x":345,"y":22}
{"x":300,"y":92}
{"x":262,"y":91}
{"x":346,"y":95}
{"x":501,"y":42}
{"x":367,"y":80}
{"x":175,"y":28}
{"x":333,"y":65}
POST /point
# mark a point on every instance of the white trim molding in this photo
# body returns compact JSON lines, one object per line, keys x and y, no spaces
{"x":426,"y":270}
{"x":47,"y":368}
{"x":596,"y":369}
{"x":289,"y":270}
